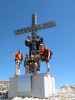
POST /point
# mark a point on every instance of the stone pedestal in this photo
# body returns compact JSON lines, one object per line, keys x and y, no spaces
{"x":19,"y":86}
{"x":41,"y":86}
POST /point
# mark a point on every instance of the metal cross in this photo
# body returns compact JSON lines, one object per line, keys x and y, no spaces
{"x":35,"y":26}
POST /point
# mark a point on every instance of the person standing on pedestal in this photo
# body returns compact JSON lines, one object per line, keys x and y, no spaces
{"x":18,"y":60}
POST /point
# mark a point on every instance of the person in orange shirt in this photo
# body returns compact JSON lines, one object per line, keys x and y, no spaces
{"x":18,"y":57}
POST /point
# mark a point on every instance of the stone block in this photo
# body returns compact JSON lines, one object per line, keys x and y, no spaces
{"x":43,"y":86}
{"x":20,"y":86}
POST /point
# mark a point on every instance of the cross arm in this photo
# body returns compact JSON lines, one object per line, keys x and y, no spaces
{"x":36,"y":27}
{"x":23,"y":30}
{"x":48,"y":24}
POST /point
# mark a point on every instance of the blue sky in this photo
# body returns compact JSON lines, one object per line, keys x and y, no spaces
{"x":17,"y":13}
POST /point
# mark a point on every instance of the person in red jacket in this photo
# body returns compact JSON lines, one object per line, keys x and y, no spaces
{"x":45,"y":53}
{"x":48,"y":54}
